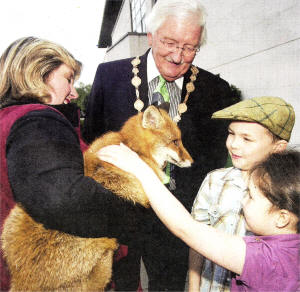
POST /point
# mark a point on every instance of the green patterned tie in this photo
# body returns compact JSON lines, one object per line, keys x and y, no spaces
{"x":162,"y":89}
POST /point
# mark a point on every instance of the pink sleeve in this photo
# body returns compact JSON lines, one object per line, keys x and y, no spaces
{"x":260,"y":262}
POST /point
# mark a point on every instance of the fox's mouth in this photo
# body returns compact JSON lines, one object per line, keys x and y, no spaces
{"x":162,"y":156}
{"x":173,"y":161}
{"x":180,"y":163}
{"x":164,"y":165}
{"x":170,"y":160}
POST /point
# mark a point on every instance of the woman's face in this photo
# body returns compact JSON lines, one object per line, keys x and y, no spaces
{"x":61,"y":83}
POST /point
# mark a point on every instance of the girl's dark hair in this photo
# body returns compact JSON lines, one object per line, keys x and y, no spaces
{"x":278,"y":177}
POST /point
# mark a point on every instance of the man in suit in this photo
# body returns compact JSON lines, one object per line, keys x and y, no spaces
{"x":176,"y":30}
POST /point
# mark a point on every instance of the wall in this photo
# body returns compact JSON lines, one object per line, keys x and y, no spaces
{"x":255,"y":45}
{"x":124,"y":45}
{"x":130,"y":46}
{"x":123,"y":24}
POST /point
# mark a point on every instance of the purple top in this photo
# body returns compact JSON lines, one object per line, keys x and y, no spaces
{"x":271,"y":264}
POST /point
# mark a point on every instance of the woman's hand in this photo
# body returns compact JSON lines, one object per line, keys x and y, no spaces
{"x":122,"y":157}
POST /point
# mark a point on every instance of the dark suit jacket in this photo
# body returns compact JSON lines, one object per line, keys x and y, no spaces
{"x":111,"y":101}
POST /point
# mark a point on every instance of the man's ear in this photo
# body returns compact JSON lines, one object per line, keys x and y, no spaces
{"x":150,"y":38}
{"x":283,"y":218}
{"x":280,"y":146}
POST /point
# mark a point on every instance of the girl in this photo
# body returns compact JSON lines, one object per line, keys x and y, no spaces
{"x":267,"y":261}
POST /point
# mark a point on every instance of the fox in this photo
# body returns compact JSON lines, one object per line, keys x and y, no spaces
{"x":41,"y":259}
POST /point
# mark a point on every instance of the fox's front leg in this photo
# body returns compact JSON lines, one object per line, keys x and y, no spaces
{"x":122,"y":184}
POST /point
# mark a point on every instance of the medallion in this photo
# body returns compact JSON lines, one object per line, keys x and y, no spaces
{"x":136,"y":82}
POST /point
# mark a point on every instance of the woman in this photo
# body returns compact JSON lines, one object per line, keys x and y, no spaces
{"x":41,"y":148}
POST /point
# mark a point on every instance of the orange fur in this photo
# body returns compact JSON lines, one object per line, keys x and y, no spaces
{"x":40,"y":259}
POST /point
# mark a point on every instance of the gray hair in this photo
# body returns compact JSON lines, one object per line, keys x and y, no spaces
{"x":181,"y":9}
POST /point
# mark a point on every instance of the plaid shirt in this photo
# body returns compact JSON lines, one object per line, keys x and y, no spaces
{"x":218,"y":203}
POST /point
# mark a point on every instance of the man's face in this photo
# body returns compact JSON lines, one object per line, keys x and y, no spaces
{"x":173,"y":65}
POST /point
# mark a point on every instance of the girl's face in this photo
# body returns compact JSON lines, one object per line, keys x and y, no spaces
{"x":248,"y":143}
{"x":258,"y":212}
{"x":61,"y":82}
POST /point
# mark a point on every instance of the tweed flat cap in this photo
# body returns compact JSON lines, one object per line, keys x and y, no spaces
{"x":272,"y":112}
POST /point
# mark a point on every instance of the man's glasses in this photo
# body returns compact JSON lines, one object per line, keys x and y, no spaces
{"x":187,"y":50}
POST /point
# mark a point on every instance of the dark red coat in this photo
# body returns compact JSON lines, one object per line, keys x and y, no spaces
{"x":8,"y":116}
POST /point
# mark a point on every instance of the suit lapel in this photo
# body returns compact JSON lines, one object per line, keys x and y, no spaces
{"x":144,"y":77}
{"x":186,"y":79}
{"x":143,"y":88}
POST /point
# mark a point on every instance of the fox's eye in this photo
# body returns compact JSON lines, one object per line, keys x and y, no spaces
{"x":176,"y":142}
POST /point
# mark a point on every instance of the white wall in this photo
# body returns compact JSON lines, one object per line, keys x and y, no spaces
{"x":123,"y":24}
{"x":255,"y":45}
{"x":131,"y":46}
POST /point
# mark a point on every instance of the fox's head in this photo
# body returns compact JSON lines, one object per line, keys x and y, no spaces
{"x":153,"y":135}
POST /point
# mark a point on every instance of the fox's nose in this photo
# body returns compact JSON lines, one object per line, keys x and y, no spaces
{"x":186,"y":163}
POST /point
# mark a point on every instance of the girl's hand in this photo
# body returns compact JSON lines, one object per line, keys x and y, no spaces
{"x":122,"y":157}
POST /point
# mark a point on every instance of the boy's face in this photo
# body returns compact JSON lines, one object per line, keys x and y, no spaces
{"x":248,"y":144}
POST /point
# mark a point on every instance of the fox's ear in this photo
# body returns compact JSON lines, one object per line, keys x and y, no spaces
{"x":152,"y":118}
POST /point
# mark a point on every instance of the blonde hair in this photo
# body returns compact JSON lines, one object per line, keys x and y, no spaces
{"x":25,"y":66}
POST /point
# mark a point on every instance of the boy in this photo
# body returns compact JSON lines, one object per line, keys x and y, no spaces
{"x":260,"y":126}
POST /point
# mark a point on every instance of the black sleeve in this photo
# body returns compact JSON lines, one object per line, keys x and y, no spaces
{"x":45,"y":169}
{"x":110,"y":103}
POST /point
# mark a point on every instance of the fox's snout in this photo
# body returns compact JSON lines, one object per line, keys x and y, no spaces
{"x":177,"y":155}
{"x":154,"y":135}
